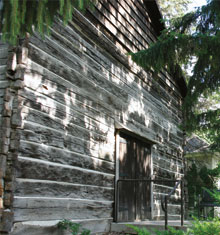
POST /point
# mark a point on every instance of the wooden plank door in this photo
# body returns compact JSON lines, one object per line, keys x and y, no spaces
{"x":143,"y":192}
{"x":126,"y":171}
{"x":134,"y":163}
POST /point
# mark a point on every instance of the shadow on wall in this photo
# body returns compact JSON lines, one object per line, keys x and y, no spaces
{"x":72,"y":98}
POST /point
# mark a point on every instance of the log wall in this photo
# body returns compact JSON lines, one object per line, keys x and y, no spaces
{"x":3,"y":81}
{"x":76,"y":86}
{"x":4,"y":133}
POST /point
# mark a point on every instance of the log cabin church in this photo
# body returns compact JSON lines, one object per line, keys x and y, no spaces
{"x":77,"y":115}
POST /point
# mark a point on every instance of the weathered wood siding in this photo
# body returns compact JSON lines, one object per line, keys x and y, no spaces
{"x":3,"y":81}
{"x":78,"y":83}
{"x":3,"y":141}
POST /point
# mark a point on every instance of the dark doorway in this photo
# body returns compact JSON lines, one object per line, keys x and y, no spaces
{"x":134,"y":202}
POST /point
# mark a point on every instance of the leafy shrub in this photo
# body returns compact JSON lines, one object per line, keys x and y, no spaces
{"x":214,"y":193}
{"x":74,"y":228}
{"x":197,"y":180}
{"x":140,"y":231}
{"x":144,"y":231}
{"x":205,"y":227}
{"x":198,"y":228}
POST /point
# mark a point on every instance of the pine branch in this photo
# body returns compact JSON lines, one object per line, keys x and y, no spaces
{"x":176,"y":46}
{"x":20,"y":16}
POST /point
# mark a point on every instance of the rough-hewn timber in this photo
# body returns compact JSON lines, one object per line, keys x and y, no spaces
{"x":5,"y":130}
{"x":71,"y":90}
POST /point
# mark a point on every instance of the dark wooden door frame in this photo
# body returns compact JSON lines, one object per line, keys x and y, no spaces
{"x":117,"y":152}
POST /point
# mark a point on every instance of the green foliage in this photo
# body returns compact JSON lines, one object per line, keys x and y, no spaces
{"x":205,"y":227}
{"x":198,"y":179}
{"x":205,"y":104}
{"x":20,"y":16}
{"x":74,"y":228}
{"x":215,"y":194}
{"x":173,"y":8}
{"x":144,"y":231}
{"x":198,"y":228}
{"x":139,"y":231}
{"x":178,"y":45}
{"x":172,"y":231}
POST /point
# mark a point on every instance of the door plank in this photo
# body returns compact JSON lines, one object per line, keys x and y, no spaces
{"x":134,"y":163}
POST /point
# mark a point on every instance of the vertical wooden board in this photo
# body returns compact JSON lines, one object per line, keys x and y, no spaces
{"x":139,"y":185}
{"x":147,"y":191}
{"x":126,"y":192}
{"x":143,"y":199}
{"x":131,"y":193}
{"x":135,"y":164}
{"x":122,"y":202}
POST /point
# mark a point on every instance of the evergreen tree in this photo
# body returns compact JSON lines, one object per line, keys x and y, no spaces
{"x":20,"y":16}
{"x":179,"y":44}
{"x":212,"y":102}
{"x":173,"y":8}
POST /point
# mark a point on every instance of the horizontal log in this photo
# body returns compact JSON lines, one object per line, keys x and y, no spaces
{"x":98,"y":60}
{"x":171,"y":163}
{"x":2,"y":91}
{"x":110,"y":109}
{"x":67,"y":157}
{"x":77,"y":131}
{"x":3,"y":52}
{"x":77,"y":66}
{"x":29,"y":209}
{"x":3,"y":70}
{"x":95,"y":34}
{"x":173,"y":169}
{"x":84,"y":141}
{"x":171,"y":209}
{"x":170,"y":217}
{"x":125,"y":19}
{"x":142,"y":20}
{"x":171,"y":151}
{"x":81,"y":107}
{"x":164,"y":184}
{"x":165,"y":94}
{"x":133,"y":117}
{"x":3,"y":61}
{"x":4,"y":84}
{"x":66,"y":112}
{"x":128,"y":12}
{"x":76,"y":44}
{"x":83,"y":134}
{"x":119,"y":20}
{"x":54,"y":121}
{"x":166,"y":173}
{"x":121,"y":34}
{"x":173,"y":199}
{"x":89,"y":62}
{"x":43,"y":170}
{"x":166,"y":188}
{"x":76,"y":78}
{"x":96,"y":226}
{"x":45,"y":188}
{"x":1,"y":101}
